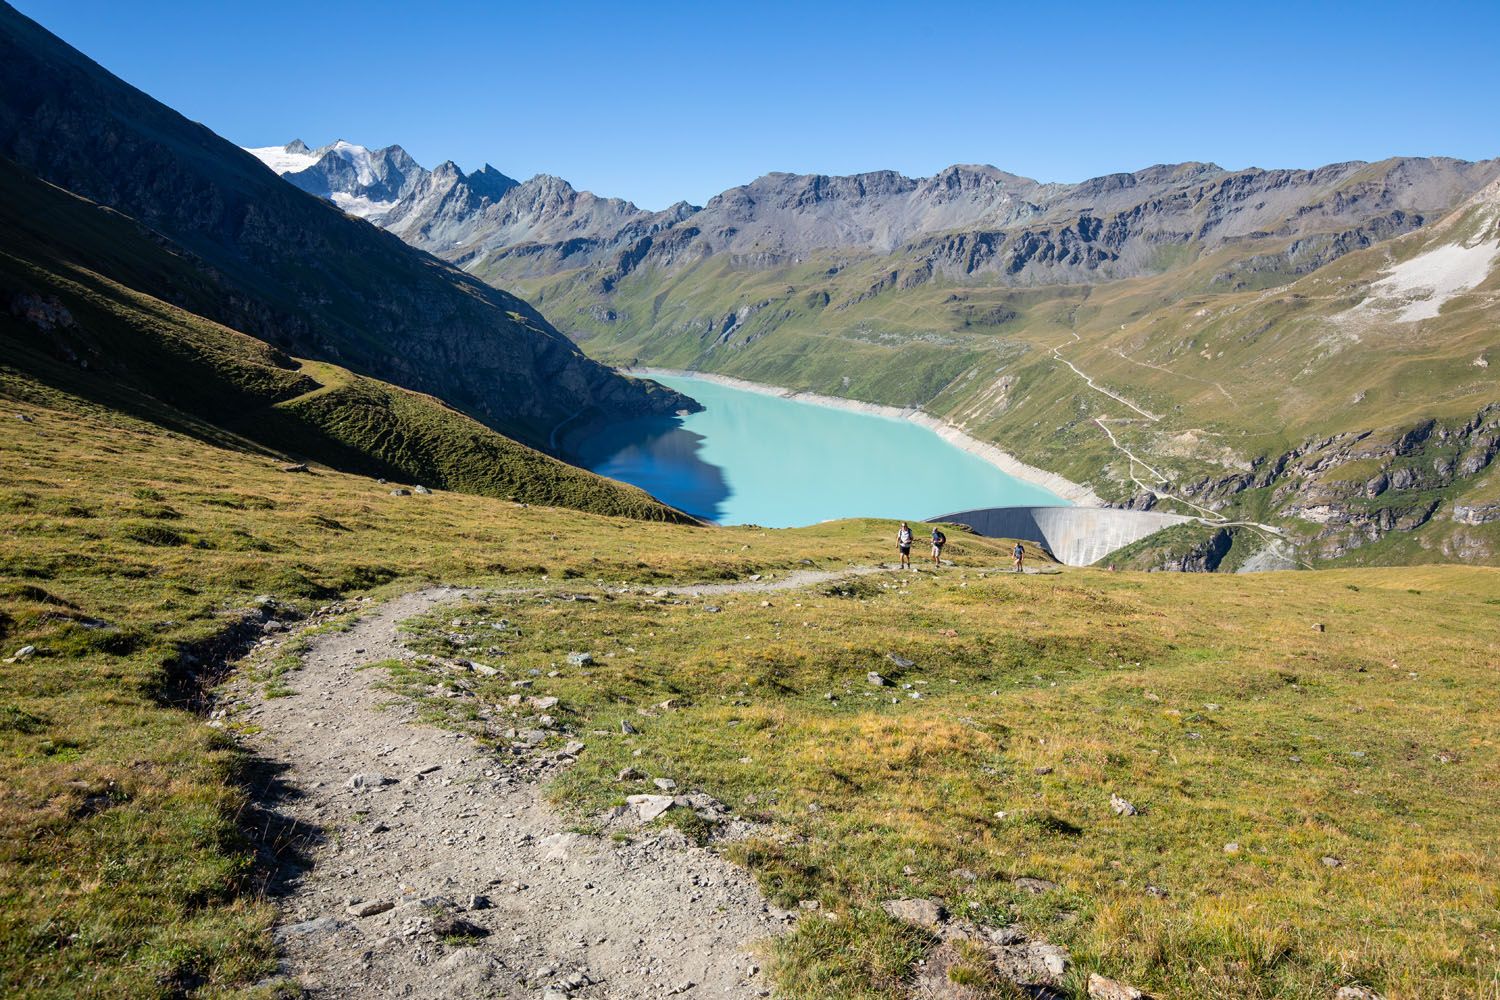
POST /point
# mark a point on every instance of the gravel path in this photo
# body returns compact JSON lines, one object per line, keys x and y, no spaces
{"x":441,"y":821}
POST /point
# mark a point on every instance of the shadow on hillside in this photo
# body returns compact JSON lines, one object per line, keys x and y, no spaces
{"x":659,"y":455}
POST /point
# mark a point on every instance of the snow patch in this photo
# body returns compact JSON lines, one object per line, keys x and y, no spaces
{"x":360,"y":205}
{"x":281,"y":161}
{"x":1419,"y":287}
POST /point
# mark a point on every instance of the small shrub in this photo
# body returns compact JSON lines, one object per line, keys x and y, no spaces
{"x":156,"y":535}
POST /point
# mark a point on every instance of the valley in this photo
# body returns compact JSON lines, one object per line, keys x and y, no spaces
{"x":1158,"y":337}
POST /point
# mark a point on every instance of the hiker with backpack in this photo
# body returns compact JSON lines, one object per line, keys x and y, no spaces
{"x":938,"y":541}
{"x":903,"y":542}
{"x":1019,"y":555}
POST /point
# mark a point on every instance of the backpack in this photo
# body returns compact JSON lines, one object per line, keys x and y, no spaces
{"x":938,"y":538}
{"x":1018,"y":551}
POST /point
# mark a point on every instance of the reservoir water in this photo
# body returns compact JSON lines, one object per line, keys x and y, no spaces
{"x":753,"y":458}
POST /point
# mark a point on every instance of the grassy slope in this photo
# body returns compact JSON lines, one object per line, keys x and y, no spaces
{"x":1234,"y":375}
{"x":168,"y":364}
{"x":1209,"y":702}
{"x":115,"y":804}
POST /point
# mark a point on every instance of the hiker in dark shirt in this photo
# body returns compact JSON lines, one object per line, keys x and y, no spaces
{"x":938,"y":541}
{"x":1019,"y":555}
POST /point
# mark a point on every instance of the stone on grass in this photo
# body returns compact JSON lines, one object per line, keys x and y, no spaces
{"x":297,"y":467}
{"x":1032,"y":963}
{"x":876,"y":679}
{"x":580,"y":659}
{"x":630,"y":774}
{"x":928,"y":914}
{"x":901,"y":662}
{"x":1122,"y":806}
{"x":543,"y":704}
{"x":1332,"y":862}
{"x":1035,"y":886}
{"x":421,"y":490}
{"x":1104,"y":988}
{"x":399,"y":492}
{"x":1356,"y":993}
{"x":627,"y":728}
{"x":22,"y":655}
{"x":648,"y":807}
{"x":665,"y":784}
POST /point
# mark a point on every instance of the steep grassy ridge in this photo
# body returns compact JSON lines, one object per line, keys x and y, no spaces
{"x":73,"y":328}
{"x":287,"y":267}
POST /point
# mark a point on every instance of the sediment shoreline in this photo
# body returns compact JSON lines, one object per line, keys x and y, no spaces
{"x":1074,"y":493}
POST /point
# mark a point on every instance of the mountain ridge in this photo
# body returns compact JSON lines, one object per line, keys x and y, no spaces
{"x":293,"y":271}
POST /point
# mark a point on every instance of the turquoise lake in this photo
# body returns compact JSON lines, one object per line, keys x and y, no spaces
{"x":752,"y":458}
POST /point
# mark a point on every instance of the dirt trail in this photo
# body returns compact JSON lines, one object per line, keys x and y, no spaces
{"x":441,"y":821}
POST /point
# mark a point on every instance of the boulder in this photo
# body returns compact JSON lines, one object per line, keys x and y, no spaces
{"x":876,"y":679}
{"x":928,"y":914}
{"x":1356,"y":993}
{"x":1122,"y":806}
{"x":399,"y":492}
{"x":371,"y":908}
{"x":1035,"y":886}
{"x":580,"y":659}
{"x":1104,"y":988}
{"x":648,"y":807}
{"x":901,"y":662}
{"x":1032,"y":963}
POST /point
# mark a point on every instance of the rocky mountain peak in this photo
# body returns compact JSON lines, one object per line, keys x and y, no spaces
{"x":490,"y":183}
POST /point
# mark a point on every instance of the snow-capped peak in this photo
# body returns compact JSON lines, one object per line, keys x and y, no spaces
{"x":286,"y":159}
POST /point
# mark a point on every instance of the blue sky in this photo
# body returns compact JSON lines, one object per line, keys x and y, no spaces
{"x":660,"y":102}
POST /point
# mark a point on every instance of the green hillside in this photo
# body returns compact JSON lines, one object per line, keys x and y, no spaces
{"x":70,"y":327}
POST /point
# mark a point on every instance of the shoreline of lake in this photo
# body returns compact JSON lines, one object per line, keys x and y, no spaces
{"x":1074,"y":493}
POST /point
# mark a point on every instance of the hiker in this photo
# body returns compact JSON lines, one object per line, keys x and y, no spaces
{"x":938,"y":541}
{"x":903,"y":542}
{"x":1019,"y":555}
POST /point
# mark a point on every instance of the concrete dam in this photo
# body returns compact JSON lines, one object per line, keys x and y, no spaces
{"x":1076,"y":536}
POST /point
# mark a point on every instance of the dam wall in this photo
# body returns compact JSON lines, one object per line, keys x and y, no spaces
{"x":1076,"y":536}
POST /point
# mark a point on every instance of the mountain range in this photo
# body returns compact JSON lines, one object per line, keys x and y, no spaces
{"x":1165,"y":336}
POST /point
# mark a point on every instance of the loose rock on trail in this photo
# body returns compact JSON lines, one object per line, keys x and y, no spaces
{"x":439,"y":870}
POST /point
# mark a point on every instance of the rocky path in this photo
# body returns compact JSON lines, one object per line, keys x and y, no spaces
{"x":439,"y":870}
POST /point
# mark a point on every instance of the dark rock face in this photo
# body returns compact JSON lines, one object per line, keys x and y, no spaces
{"x":1416,"y":470}
{"x":293,"y":270}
